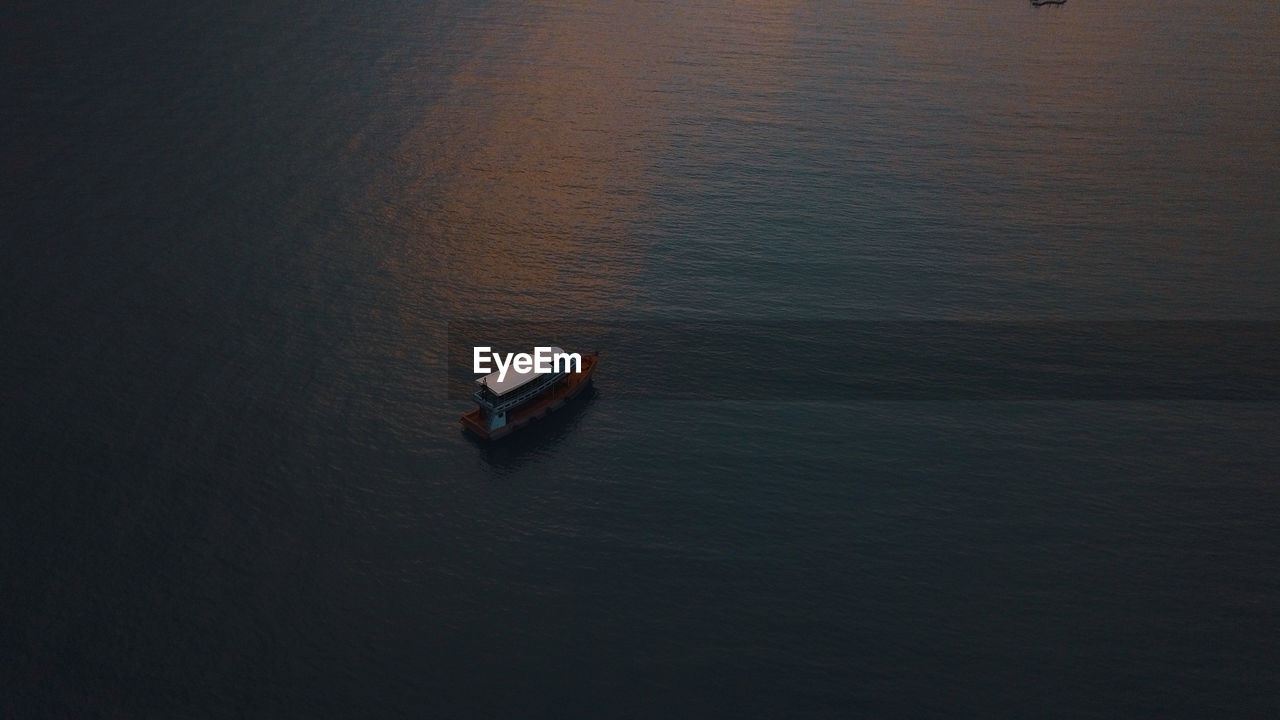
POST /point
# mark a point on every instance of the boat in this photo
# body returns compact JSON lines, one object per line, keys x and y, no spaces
{"x":506,"y":402}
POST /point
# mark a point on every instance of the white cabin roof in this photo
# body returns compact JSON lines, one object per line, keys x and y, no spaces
{"x":513,"y":379}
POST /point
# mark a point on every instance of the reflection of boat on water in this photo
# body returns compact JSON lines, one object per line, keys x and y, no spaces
{"x":506,"y":404}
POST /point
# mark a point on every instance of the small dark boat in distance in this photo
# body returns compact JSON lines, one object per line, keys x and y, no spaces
{"x":1038,"y":3}
{"x":506,"y":405}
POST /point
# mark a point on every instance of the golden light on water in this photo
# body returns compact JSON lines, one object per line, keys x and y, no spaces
{"x":522,"y":182}
{"x":539,"y":153}
{"x":526,"y":177}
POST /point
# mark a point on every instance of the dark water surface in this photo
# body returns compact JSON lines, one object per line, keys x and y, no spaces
{"x":235,"y":242}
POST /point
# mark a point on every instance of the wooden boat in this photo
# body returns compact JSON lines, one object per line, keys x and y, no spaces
{"x":506,"y":404}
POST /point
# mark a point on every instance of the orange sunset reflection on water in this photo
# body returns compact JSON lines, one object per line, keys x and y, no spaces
{"x":551,"y":154}
{"x":526,"y":179}
{"x":525,"y":174}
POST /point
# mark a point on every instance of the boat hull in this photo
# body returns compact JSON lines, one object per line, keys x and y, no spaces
{"x":554,"y":399}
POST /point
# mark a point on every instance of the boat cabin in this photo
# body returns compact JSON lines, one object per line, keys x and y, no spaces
{"x":497,"y":397}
